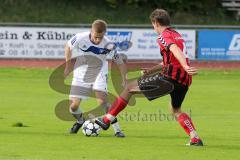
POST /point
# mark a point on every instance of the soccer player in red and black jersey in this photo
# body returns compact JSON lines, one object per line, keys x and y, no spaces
{"x":174,"y":79}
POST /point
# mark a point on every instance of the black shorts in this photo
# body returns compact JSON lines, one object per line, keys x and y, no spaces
{"x":156,"y":85}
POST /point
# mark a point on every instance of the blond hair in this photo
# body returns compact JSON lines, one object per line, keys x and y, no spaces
{"x":99,"y":26}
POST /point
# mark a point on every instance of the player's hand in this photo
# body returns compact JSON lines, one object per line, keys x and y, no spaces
{"x":145,"y":71}
{"x":191,"y":70}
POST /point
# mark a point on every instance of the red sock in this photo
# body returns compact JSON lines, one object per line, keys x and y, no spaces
{"x":106,"y":120}
{"x":118,"y":105}
{"x":186,"y":122}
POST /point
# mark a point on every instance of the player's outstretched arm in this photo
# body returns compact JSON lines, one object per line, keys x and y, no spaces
{"x":123,"y":70}
{"x":68,"y":56}
{"x":177,"y":52}
{"x":119,"y":60}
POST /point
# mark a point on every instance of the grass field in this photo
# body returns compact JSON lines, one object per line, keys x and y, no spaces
{"x":26,"y":97}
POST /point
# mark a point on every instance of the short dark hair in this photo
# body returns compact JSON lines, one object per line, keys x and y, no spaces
{"x":99,"y":26}
{"x":161,"y":16}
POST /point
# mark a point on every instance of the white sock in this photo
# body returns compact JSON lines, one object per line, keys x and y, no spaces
{"x":116,"y":127}
{"x":77,"y":114}
{"x":193,"y":134}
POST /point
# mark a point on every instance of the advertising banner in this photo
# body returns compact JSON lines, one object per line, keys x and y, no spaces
{"x":48,"y":42}
{"x":219,"y":45}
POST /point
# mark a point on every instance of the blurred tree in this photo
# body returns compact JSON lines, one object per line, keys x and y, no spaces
{"x":131,"y":11}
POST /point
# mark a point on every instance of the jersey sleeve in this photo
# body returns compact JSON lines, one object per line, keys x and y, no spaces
{"x":74,"y":41}
{"x":166,"y":41}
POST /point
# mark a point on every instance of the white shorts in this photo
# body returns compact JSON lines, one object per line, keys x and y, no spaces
{"x":81,"y":89}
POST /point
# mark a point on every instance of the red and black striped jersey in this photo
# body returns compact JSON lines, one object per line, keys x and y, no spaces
{"x":171,"y":66}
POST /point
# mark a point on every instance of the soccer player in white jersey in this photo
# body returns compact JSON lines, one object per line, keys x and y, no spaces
{"x":91,"y":71}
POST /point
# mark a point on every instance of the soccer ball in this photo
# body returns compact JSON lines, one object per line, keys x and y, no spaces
{"x":90,"y":129}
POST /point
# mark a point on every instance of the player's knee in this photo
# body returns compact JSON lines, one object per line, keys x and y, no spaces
{"x":175,"y":110}
{"x":74,"y":105}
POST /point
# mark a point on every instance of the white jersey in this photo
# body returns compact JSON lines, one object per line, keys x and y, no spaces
{"x":91,"y":58}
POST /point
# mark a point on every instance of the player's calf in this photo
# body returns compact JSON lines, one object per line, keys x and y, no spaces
{"x":187,"y":124}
